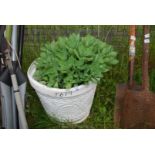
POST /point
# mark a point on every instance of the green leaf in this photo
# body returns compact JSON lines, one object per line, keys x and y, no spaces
{"x":74,"y":60}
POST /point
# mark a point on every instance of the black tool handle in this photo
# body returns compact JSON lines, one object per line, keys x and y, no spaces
{"x":20,"y":42}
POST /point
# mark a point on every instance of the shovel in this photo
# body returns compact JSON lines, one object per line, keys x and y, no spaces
{"x":135,"y":105}
{"x":121,"y":89}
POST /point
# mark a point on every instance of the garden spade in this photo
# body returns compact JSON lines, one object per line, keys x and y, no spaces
{"x":135,"y":108}
{"x":121,"y":89}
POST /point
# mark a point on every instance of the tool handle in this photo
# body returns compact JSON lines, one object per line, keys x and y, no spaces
{"x":18,"y":99}
{"x":132,"y":50}
{"x":20,"y":42}
{"x":19,"y":103}
{"x":145,"y":58}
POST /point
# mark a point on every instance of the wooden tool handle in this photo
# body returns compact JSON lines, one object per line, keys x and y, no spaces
{"x":145,"y":59}
{"x":132,"y":50}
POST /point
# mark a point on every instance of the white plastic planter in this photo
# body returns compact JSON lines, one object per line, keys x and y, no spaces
{"x":67,"y":105}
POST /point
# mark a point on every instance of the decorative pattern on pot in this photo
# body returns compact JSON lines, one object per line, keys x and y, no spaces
{"x":67,"y":105}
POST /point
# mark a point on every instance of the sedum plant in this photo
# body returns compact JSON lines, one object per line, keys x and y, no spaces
{"x":74,"y":60}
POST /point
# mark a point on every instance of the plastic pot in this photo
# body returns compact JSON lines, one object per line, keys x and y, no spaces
{"x":67,"y":105}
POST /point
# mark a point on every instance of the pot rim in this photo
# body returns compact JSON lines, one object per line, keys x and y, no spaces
{"x":31,"y":71}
